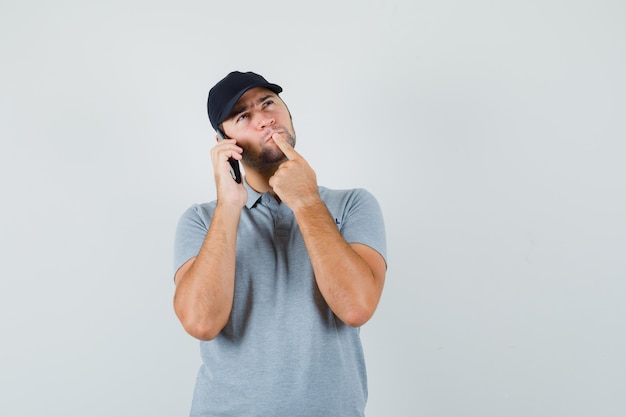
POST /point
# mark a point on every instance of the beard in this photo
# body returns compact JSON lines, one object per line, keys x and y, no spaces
{"x":268,"y":159}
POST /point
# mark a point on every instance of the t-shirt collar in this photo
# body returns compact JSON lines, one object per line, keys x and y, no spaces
{"x":253,"y":196}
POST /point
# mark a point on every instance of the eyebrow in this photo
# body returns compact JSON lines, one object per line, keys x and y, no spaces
{"x":244,"y":107}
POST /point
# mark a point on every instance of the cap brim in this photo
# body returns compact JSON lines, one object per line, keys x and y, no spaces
{"x":228,"y":108}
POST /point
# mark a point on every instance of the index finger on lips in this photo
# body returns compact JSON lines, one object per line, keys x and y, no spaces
{"x":284,"y":146}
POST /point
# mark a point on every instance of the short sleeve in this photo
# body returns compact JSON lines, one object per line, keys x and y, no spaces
{"x":191,"y":231}
{"x":362,"y":221}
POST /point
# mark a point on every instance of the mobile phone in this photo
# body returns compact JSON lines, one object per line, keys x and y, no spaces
{"x":234,"y":165}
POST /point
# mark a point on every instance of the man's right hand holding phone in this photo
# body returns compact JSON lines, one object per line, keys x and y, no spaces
{"x":228,"y":191}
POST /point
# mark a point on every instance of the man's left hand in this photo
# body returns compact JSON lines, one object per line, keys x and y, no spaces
{"x":294,"y":182}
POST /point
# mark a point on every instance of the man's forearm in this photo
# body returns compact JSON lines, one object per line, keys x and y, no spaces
{"x":345,"y":280}
{"x":204,"y":293}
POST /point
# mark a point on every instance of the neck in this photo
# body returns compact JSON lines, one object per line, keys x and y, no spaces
{"x":259,"y":181}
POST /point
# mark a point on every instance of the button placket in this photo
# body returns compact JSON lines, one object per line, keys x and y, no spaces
{"x":281,"y":220}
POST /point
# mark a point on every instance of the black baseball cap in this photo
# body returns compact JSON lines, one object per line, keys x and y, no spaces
{"x":227,"y":92}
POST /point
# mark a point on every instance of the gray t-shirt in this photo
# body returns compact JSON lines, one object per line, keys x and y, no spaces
{"x":283,"y":352}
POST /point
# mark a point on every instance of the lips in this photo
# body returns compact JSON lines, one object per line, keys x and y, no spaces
{"x":268,"y":136}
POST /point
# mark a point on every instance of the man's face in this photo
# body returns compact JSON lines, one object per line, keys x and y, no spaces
{"x":258,"y":114}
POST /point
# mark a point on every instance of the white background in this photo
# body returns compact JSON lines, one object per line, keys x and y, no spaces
{"x":491,"y":132}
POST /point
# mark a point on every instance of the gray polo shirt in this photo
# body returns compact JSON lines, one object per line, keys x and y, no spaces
{"x":283,"y":352}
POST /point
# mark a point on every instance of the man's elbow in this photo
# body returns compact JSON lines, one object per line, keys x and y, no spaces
{"x":202,"y":328}
{"x":201,"y":331}
{"x":357,"y":317}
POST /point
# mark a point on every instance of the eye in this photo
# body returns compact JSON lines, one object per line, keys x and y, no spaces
{"x":242,"y":117}
{"x":268,"y":103}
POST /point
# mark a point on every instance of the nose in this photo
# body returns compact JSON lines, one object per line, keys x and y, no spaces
{"x":264,"y":120}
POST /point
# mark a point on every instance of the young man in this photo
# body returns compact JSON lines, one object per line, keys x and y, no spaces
{"x":276,"y":275}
